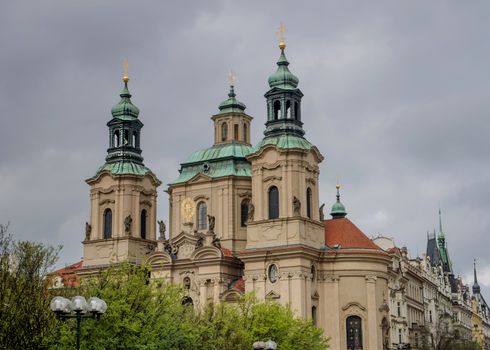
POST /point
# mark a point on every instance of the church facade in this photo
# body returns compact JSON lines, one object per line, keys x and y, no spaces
{"x":243,"y":218}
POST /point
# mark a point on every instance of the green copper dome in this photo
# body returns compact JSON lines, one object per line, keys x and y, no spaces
{"x":283,"y":78}
{"x":284,"y":141}
{"x":125,"y":109}
{"x":217,"y":161}
{"x":338,"y":209}
{"x":231,"y":104}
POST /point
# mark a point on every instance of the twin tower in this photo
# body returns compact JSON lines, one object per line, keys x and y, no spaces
{"x":253,"y":197}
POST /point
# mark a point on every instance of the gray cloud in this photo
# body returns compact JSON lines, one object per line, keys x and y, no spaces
{"x":395,"y":98}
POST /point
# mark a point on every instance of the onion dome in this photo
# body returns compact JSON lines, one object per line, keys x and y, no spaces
{"x":231,"y":104}
{"x":283,"y":78}
{"x":338,"y":210}
{"x":125,"y":109}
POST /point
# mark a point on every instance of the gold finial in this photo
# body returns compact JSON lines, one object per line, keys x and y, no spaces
{"x":338,"y":184}
{"x":126,"y":68}
{"x":280,"y":35}
{"x":231,"y":78}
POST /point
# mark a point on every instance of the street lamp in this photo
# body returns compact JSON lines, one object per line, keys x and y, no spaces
{"x":265,"y":345}
{"x":78,"y":308}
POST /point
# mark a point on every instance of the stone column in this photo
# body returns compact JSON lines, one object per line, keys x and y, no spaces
{"x":372,"y":324}
{"x":297,"y":299}
{"x":308,"y":296}
{"x":284,"y":205}
{"x":153,"y":217}
{"x":136,"y":214}
{"x":331,"y":311}
{"x":203,"y":293}
{"x":284,"y":287}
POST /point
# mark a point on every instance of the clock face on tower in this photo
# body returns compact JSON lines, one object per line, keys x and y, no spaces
{"x":188,"y":208}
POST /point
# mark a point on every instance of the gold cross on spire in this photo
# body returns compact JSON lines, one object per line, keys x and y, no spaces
{"x":231,"y":78}
{"x":280,"y":35}
{"x":126,"y":68}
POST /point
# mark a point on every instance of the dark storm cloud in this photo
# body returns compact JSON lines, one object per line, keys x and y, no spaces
{"x":395,"y":98}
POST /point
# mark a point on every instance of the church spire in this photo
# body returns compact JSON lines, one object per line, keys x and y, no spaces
{"x":124,"y":129}
{"x":231,"y":105}
{"x":476,"y":286}
{"x":283,"y":98}
{"x":338,"y":209}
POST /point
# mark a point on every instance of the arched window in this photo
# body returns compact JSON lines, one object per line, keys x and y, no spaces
{"x":244,"y":212}
{"x":354,"y":333}
{"x":202,"y":212}
{"x":235,"y":132}
{"x":273,"y":202}
{"x":143,"y":224}
{"x":313,"y":314}
{"x":107,"y":223}
{"x":126,"y":137}
{"x":288,"y":109}
{"x":245,"y":133}
{"x":187,"y":301}
{"x":277,"y":110}
{"x":224,"y":131}
{"x":116,"y":138}
{"x":308,"y":202}
{"x":135,"y":139}
{"x":296,"y":111}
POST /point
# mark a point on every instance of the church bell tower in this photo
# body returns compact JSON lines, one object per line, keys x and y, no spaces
{"x":123,"y":194}
{"x":284,"y":171}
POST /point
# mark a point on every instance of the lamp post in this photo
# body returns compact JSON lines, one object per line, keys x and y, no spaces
{"x":265,"y":345}
{"x":78,"y":308}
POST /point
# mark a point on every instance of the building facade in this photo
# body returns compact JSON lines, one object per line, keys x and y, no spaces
{"x":246,"y":218}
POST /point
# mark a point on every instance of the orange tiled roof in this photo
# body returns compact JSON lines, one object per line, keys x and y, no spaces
{"x":68,"y":275}
{"x":238,"y":285}
{"x":226,"y":252}
{"x":346,"y":235}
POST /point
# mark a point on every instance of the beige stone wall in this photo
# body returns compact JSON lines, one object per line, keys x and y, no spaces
{"x":223,"y":198}
{"x":337,"y":287}
{"x":123,"y":195}
{"x":238,"y":128}
{"x":292,"y":172}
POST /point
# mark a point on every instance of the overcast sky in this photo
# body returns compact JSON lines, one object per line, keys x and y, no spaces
{"x":396,"y":99}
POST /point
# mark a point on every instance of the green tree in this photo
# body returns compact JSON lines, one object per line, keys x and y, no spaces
{"x":237,"y":326}
{"x":150,"y":315}
{"x":25,"y":317}
{"x":140,"y":314}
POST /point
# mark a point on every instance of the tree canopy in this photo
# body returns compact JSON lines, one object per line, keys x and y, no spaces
{"x":144,"y":314}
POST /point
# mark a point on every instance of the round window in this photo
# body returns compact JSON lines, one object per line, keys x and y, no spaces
{"x":273,"y":273}
{"x":205,"y":167}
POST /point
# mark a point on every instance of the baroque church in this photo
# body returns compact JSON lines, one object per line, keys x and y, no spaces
{"x":242,"y":218}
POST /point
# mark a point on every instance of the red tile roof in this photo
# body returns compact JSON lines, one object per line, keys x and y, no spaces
{"x":68,"y":274}
{"x":343,"y":233}
{"x":238,"y":285}
{"x":226,"y":252}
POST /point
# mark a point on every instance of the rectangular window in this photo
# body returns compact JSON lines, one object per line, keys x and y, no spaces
{"x":235,"y":132}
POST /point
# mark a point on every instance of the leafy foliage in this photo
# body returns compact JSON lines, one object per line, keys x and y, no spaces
{"x":150,"y":315}
{"x":25,"y":317}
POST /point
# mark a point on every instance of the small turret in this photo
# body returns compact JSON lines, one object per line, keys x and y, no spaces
{"x":338,"y":209}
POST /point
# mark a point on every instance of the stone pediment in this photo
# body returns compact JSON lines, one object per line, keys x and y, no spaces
{"x":207,"y":252}
{"x":272,"y":295}
{"x":159,"y":259}
{"x":353,"y":306}
{"x":199,"y":177}
{"x":230,"y":296}
{"x":185,"y":244}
